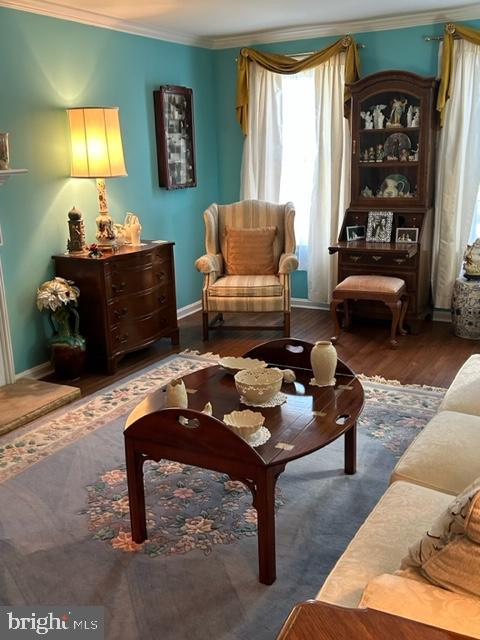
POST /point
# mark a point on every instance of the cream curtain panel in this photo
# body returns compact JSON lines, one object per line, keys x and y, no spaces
{"x":277,"y":63}
{"x":262,"y":164}
{"x":458,"y":166}
{"x":451,"y":31}
{"x":331,"y":189}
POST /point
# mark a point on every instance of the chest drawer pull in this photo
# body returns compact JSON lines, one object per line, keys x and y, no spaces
{"x":355,"y":258}
{"x":399,"y":260}
{"x":118,"y":288}
{"x":162,"y":299}
{"x":161,"y":275}
{"x":122,"y":339}
{"x":120,"y":313}
{"x":376,"y":258}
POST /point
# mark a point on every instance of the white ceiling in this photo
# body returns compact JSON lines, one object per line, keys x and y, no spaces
{"x":223,"y":23}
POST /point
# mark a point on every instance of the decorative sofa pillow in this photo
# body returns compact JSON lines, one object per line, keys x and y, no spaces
{"x":249,"y":251}
{"x":448,"y":555}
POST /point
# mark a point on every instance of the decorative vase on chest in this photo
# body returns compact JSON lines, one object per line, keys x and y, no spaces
{"x":323,"y":359}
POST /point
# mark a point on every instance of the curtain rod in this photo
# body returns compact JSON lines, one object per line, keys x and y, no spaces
{"x":437,"y":38}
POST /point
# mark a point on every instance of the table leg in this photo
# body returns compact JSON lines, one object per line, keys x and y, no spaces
{"x":351,"y":450}
{"x":265,"y":504}
{"x":136,"y":493}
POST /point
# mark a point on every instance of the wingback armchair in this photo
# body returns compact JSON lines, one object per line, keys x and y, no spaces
{"x":249,"y":257}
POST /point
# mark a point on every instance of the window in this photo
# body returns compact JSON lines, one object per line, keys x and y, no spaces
{"x":298,"y":152}
{"x":475,"y":231}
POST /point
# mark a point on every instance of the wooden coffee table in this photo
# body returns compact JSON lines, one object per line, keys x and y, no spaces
{"x":311,"y":418}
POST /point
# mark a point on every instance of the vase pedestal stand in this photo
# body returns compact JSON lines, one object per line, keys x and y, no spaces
{"x":68,"y":361}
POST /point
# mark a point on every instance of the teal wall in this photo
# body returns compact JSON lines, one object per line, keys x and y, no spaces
{"x":49,"y":65}
{"x":393,"y":49}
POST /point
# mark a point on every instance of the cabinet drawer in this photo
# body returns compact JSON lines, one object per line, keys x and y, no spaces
{"x":132,"y":306}
{"x":136,"y":279}
{"x":129,"y":334}
{"x":380,"y":259}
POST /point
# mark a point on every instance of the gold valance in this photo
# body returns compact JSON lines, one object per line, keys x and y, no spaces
{"x":285,"y":64}
{"x":451,"y":31}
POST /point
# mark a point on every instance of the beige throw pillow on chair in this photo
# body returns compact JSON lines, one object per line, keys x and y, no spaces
{"x":249,"y":251}
{"x":448,"y":555}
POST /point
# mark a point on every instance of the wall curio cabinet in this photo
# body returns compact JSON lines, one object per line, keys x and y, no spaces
{"x":392,"y":121}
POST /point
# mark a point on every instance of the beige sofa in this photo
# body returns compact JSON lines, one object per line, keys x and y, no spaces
{"x":441,"y":462}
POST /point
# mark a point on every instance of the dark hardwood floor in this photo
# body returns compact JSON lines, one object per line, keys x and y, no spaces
{"x":432,"y":357}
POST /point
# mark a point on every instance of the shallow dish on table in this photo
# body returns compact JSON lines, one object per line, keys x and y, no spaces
{"x":233,"y":364}
{"x":245,"y":423}
{"x":258,"y":385}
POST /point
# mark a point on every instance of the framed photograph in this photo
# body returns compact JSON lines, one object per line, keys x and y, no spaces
{"x":379,"y":226}
{"x":406,"y":234}
{"x":356,"y":232}
{"x":175,"y":137}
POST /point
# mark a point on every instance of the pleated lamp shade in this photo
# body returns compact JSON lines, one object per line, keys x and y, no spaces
{"x":97,"y":150}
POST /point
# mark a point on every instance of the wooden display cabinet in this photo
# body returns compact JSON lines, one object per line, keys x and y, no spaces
{"x":392,"y":170}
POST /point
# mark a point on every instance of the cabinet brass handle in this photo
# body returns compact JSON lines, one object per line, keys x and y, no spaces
{"x":120,"y":313}
{"x":117,"y":288}
{"x":376,"y":258}
{"x":162,"y":299}
{"x":160,"y":275}
{"x":355,"y":258}
{"x":399,"y":260}
{"x":122,"y":339}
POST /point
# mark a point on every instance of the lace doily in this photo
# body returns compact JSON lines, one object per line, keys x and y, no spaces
{"x":259,"y":437}
{"x":314,"y":383}
{"x":278,"y":399}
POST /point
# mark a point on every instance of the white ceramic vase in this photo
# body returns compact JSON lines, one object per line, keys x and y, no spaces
{"x":176,"y":395}
{"x":323,"y":359}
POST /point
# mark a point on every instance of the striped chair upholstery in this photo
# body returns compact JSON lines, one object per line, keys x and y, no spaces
{"x":247,"y":293}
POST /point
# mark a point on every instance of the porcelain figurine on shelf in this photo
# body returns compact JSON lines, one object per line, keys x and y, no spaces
{"x":371,"y":154}
{"x":416,"y":117}
{"x":410,"y":116}
{"x":398,"y":108}
{"x":379,"y":153}
{"x":367,"y":192}
{"x":378,"y":116}
{"x":471,"y":261}
{"x":367,"y":116}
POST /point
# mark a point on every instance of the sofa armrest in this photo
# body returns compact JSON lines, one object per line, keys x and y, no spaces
{"x":288,"y":262}
{"x":423,"y":602}
{"x":210,"y":262}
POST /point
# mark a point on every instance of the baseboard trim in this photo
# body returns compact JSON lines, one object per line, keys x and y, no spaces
{"x":37,"y":372}
{"x":305,"y":303}
{"x":442,"y":315}
{"x":188,"y":309}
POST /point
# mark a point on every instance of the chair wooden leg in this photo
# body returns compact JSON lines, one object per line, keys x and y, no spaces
{"x":205,"y":325}
{"x":395,"y":308}
{"x":286,"y":324}
{"x":346,"y":315}
{"x":401,"y":328}
{"x":333,"y":312}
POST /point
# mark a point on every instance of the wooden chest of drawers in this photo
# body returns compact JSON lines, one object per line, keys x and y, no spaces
{"x":127,"y":299}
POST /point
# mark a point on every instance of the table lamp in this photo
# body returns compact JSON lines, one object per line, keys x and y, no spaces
{"x":97,"y":152}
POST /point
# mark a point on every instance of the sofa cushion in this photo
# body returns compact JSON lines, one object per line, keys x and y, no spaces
{"x":464,"y":392}
{"x":445,"y":455}
{"x":448,"y":554}
{"x":250,"y":251}
{"x":402,"y":514}
{"x":423,"y":602}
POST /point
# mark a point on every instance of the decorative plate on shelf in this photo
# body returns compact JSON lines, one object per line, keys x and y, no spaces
{"x":233,"y":364}
{"x":395,"y":143}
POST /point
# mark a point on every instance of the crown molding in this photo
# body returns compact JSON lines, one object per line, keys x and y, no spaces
{"x":55,"y":10}
{"x":470,"y":12}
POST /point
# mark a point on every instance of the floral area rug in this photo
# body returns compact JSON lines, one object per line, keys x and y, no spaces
{"x":190,"y":508}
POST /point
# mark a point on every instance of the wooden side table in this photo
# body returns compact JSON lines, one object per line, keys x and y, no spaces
{"x":466,"y":308}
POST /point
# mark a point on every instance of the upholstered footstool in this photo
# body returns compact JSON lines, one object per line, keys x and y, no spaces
{"x":391,"y":291}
